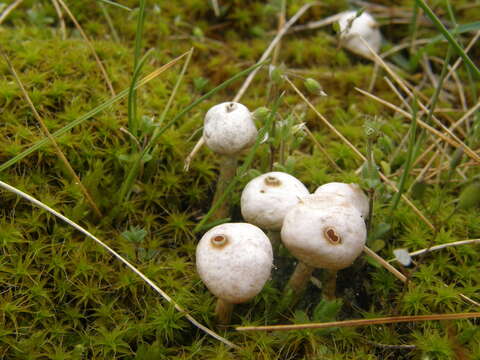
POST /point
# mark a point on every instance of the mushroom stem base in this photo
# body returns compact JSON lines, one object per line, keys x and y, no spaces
{"x":330,"y":284}
{"x":223,"y":312}
{"x":228,"y":169}
{"x":300,"y":277}
{"x":274,"y":237}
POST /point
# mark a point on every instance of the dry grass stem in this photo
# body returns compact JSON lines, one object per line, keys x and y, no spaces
{"x":44,"y":128}
{"x":322,"y":149}
{"x":362,"y":322}
{"x":405,"y":88}
{"x":281,"y":24}
{"x":467,"y":49}
{"x":453,"y":142}
{"x":61,"y":20}
{"x":9,"y":9}
{"x":89,"y":44}
{"x":385,"y":264}
{"x":271,"y":47}
{"x":444,"y":246}
{"x":216,"y":8}
{"x":359,"y":154}
{"x":119,"y":257}
{"x":317,"y":24}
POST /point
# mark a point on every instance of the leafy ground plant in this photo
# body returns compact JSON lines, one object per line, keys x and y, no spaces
{"x":123,"y":87}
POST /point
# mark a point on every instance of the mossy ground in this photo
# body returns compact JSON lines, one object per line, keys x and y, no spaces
{"x":64,"y":297}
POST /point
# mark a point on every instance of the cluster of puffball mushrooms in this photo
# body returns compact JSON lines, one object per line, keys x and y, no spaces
{"x":324,"y":230}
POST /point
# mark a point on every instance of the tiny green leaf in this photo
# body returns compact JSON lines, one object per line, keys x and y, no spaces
{"x":470,"y":197}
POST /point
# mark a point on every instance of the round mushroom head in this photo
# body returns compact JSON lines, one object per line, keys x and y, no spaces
{"x":234,"y":260}
{"x":324,"y":237}
{"x":353,"y":27}
{"x":267,"y":198}
{"x":352,"y":192}
{"x":229,"y":128}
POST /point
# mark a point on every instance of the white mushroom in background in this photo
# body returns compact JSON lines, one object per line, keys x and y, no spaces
{"x":228,"y":130}
{"x":352,"y":192}
{"x":319,"y":236}
{"x":267,"y":198}
{"x":234,"y":260}
{"x":352,"y":27}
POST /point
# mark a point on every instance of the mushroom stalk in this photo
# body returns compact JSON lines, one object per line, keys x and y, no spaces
{"x":223,"y":312}
{"x":274,"y":237}
{"x":228,"y":169}
{"x":300,"y":277}
{"x":330,"y":285}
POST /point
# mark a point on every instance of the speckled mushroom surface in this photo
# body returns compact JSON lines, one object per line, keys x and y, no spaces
{"x":324,"y":237}
{"x":229,"y":128}
{"x":234,"y":260}
{"x":352,"y":192}
{"x":267,"y":198}
{"x":353,"y":27}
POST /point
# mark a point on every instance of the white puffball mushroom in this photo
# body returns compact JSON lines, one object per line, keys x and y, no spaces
{"x":324,"y":238}
{"x":267,"y":198}
{"x":229,"y":128}
{"x":321,"y":235}
{"x":353,"y":27}
{"x":234,"y":260}
{"x":352,"y":192}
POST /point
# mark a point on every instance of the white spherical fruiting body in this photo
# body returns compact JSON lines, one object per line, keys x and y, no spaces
{"x":352,"y":192}
{"x":324,"y":237}
{"x":267,"y":198}
{"x":229,"y":128}
{"x":234,"y":260}
{"x":353,"y":27}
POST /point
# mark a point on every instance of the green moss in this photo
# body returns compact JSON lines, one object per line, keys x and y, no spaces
{"x":66,"y":298}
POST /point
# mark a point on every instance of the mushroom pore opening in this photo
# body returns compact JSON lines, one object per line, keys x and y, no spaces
{"x":230,"y":107}
{"x":272,"y":181}
{"x":219,"y":241}
{"x":332,"y":236}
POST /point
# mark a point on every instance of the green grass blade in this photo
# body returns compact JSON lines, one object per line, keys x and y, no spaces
{"x":132,"y":97}
{"x":448,"y":35}
{"x":88,"y":115}
{"x":408,"y":161}
{"x":64,"y":130}
{"x":132,"y":175}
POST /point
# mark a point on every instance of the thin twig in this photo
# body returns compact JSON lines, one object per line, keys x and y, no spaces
{"x":89,"y":44}
{"x":59,"y":151}
{"x":119,"y":257}
{"x":9,"y":9}
{"x":362,"y":322}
